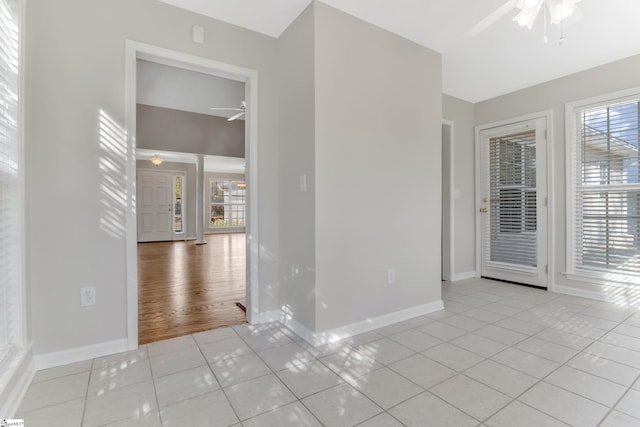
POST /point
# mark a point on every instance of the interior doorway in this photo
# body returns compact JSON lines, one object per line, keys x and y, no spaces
{"x":249,"y":242}
{"x":195,"y":283}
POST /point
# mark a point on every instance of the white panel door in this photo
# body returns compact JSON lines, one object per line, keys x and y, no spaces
{"x":513,"y":203}
{"x":154,"y":205}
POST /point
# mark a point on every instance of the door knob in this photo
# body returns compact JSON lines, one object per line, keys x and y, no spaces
{"x":484,"y":210}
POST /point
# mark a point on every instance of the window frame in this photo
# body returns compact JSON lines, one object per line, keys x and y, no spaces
{"x":183,"y":197}
{"x":573,"y":271}
{"x":214,"y":179}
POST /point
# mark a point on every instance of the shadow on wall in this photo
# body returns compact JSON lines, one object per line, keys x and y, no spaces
{"x":112,"y":164}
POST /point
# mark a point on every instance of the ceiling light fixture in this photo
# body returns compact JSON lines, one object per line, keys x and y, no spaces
{"x":156,"y":160}
{"x":557,"y":10}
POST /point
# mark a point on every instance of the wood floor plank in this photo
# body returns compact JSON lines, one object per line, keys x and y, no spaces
{"x":185,"y":288}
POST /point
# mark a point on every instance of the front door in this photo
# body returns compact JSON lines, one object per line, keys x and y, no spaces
{"x":513,"y":203}
{"x":155,"y":206}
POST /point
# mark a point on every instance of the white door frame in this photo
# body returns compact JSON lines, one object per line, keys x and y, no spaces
{"x":547,"y":115}
{"x":134,"y":51}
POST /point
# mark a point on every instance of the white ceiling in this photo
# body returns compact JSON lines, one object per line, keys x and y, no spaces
{"x":499,"y":60}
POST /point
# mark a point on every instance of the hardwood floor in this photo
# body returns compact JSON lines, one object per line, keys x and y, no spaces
{"x":185,"y":288}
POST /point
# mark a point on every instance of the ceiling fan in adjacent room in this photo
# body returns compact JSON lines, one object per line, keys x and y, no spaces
{"x":553,"y":11}
{"x":240,"y":111}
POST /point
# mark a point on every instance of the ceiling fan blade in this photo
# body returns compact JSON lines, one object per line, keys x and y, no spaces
{"x":491,"y":19}
{"x":237,"y":116}
{"x":226,"y":109}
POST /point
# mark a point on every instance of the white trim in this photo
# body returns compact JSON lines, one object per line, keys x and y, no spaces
{"x":268,"y":316}
{"x":79,"y":354}
{"x":12,"y":395}
{"x":337,"y":334}
{"x":133,"y":51}
{"x":448,"y":275}
{"x":367,"y":325}
{"x":570,"y":175}
{"x":320,"y":338}
{"x":547,"y":115}
{"x":604,"y":279}
{"x":551,"y":235}
{"x":302,"y":331}
{"x":464,"y":276}
{"x":602,"y":295}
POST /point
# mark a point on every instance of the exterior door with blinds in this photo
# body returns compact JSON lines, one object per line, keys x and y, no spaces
{"x":513,"y":203}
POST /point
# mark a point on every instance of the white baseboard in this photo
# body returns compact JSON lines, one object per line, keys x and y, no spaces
{"x":302,"y":331}
{"x":367,"y":325}
{"x":267,"y":316}
{"x":320,"y":338}
{"x":463,"y":276}
{"x":78,"y":354}
{"x":15,"y":389}
{"x":599,"y":296}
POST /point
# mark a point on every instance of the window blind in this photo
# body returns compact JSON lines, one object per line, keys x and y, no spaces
{"x":607,"y":189}
{"x":10,"y":274}
{"x":513,"y":195}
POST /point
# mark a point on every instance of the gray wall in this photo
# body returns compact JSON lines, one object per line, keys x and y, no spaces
{"x":348,"y":130}
{"x":378,"y":170}
{"x":461,"y":113}
{"x":173,"y":130}
{"x":297,"y":209}
{"x":75,"y":159}
{"x":552,"y":96}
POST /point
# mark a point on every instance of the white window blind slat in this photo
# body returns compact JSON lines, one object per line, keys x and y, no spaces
{"x":513,"y":199}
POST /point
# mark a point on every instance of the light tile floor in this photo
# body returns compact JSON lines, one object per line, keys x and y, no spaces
{"x":498,"y":355}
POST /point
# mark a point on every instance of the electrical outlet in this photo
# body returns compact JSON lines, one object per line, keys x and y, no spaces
{"x":391,"y":276}
{"x":87,"y":296}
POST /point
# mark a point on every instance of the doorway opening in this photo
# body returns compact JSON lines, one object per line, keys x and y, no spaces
{"x":185,"y":287}
{"x":224,"y":243}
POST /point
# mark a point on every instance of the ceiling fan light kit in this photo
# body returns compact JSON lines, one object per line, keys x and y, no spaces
{"x":558,"y":11}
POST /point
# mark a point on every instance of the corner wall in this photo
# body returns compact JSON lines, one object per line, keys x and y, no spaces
{"x":378,"y":171}
{"x":461,"y":113}
{"x":297,"y":254}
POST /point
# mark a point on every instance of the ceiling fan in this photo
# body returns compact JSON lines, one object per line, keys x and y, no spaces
{"x":555,"y":10}
{"x":240,"y":111}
